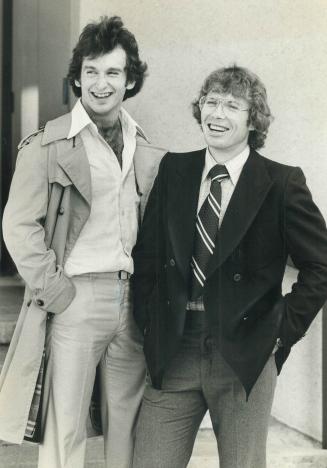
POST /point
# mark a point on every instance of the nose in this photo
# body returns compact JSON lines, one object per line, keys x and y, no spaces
{"x":101,"y":82}
{"x":219,"y":111}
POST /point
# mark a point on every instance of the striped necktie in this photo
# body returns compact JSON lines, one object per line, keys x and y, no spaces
{"x":207,"y":224}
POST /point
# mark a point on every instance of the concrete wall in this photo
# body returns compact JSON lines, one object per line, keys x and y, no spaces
{"x":285,"y":43}
{"x":298,"y":399}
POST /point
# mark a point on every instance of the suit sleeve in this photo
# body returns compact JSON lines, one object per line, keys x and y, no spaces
{"x":148,"y":250}
{"x":24,"y":234}
{"x":306,"y":242}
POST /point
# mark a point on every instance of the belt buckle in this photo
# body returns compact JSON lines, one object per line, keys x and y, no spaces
{"x":123,"y":275}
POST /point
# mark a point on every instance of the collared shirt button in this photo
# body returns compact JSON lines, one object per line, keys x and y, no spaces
{"x":237,"y":277}
{"x":40,"y":302}
{"x":172,"y":262}
{"x":61,"y":210}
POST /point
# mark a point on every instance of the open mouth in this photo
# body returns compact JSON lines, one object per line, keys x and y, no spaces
{"x":101,"y":95}
{"x":217,"y":128}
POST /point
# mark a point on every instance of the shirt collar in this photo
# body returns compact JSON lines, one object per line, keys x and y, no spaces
{"x":81,"y":119}
{"x":129,"y":123}
{"x":234,"y":165}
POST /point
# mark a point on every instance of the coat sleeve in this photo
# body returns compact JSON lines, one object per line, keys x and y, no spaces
{"x":306,"y":242}
{"x":24,"y":235}
{"x":148,"y":251}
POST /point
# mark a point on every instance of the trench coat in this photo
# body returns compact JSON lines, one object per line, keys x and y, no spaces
{"x":48,"y":205}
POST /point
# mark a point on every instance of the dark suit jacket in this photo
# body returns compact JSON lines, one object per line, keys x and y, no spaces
{"x":270,"y":216}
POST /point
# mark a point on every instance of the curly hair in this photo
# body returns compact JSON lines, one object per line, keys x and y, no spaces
{"x":99,"y":38}
{"x":240,"y":82}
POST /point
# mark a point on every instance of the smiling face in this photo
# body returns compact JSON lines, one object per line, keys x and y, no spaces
{"x":103,"y":85}
{"x":225,"y":125}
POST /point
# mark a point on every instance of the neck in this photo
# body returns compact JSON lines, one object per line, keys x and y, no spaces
{"x":221,"y":156}
{"x":105,"y":122}
{"x":108,"y":120}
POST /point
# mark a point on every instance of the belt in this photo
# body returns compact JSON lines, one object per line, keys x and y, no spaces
{"x":195,"y":319}
{"x":121,"y":274}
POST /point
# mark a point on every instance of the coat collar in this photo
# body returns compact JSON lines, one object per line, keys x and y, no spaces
{"x":70,"y":154}
{"x":72,"y":158}
{"x":252,"y":187}
{"x":57,"y":129}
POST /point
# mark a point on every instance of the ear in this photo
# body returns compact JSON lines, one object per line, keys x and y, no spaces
{"x":77,"y":83}
{"x":130,"y":85}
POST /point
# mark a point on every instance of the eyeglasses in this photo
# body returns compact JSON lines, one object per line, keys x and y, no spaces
{"x":229,"y":107}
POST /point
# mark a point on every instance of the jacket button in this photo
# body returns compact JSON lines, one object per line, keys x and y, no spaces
{"x":40,"y":302}
{"x":61,"y":210}
{"x":168,"y":303}
{"x":29,"y":303}
{"x":237,"y":277}
{"x":172,"y":262}
{"x":245,"y":317}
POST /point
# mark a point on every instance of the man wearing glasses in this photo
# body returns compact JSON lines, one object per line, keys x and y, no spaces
{"x":209,"y":264}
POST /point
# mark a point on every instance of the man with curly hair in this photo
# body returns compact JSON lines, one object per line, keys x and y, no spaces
{"x":71,"y":222}
{"x":209,"y":263}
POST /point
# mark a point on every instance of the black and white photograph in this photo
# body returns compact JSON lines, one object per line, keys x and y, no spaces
{"x":163,"y":239}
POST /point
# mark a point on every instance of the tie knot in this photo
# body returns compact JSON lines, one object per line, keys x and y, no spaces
{"x":218,"y":172}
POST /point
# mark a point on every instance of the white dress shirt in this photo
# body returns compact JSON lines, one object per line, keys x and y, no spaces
{"x":234,"y":167}
{"x":106,"y":241}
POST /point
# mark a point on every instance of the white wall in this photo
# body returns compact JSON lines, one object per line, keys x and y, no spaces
{"x":285,"y":43}
{"x":298,"y":399}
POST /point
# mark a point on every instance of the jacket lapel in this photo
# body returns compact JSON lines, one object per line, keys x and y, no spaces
{"x":183,"y":193}
{"x":71,"y":155}
{"x":146,"y":162}
{"x":249,"y":194}
{"x":75,"y":163}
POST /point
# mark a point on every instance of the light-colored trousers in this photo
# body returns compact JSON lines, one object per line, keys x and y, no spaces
{"x":97,"y":327}
{"x":198,"y":380}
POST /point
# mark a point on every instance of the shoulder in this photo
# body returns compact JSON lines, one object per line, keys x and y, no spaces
{"x":185,"y":157}
{"x":279,"y":172}
{"x":57,"y":129}
{"x":53,"y":130}
{"x":145,"y":147}
{"x":30,"y":137}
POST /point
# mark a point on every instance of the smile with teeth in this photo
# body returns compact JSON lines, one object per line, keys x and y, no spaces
{"x":101,"y":95}
{"x":217,"y":128}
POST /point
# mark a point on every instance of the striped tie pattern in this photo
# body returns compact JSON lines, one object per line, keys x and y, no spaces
{"x":207,"y":224}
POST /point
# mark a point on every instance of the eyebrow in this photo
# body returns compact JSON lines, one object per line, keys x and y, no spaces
{"x":91,"y":67}
{"x":229,"y":99}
